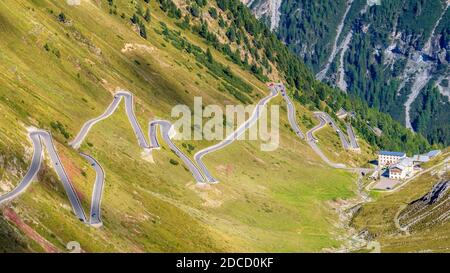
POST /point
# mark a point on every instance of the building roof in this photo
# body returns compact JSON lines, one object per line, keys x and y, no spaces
{"x":403,"y":164}
{"x":395,"y":170}
{"x":397,"y":166}
{"x":400,"y":154}
{"x":407,"y":162}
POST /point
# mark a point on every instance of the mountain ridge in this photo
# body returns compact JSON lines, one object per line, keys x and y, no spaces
{"x":392,"y":54}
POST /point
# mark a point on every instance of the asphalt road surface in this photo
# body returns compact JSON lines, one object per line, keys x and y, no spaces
{"x":71,"y":194}
{"x":233,"y":136}
{"x":346,"y":144}
{"x":310,"y":134}
{"x":165,"y":132}
{"x":275,"y":89}
{"x":312,"y":141}
{"x":154,"y":144}
{"x":31,"y":173}
{"x":291,"y":113}
{"x":40,"y":137}
{"x":129,"y":108}
{"x":330,"y":121}
{"x":97,"y":193}
{"x":352,"y":137}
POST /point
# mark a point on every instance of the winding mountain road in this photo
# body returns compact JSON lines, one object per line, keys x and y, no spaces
{"x":351,"y":135}
{"x":38,"y":138}
{"x":351,"y":142}
{"x":291,"y":113}
{"x":274,"y":90}
{"x":312,"y":141}
{"x":200,"y":172}
{"x":97,"y":193}
{"x":165,"y":126}
{"x":325,"y":119}
{"x":166,"y":131}
{"x":129,"y":108}
{"x":32,"y":170}
{"x":329,"y":120}
{"x":59,"y":168}
{"x":233,"y":136}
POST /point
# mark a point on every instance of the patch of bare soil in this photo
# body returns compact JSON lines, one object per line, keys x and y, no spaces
{"x":110,"y":87}
{"x":5,"y":186}
{"x":211,"y":196}
{"x":147,"y":155}
{"x":134,"y":46}
{"x":225,"y":170}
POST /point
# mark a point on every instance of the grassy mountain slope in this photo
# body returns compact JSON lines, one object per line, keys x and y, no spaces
{"x":12,"y":240}
{"x":56,"y":74}
{"x":383,"y":218}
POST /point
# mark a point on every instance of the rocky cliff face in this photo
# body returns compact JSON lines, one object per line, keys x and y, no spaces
{"x":267,"y":10}
{"x":394,"y":54}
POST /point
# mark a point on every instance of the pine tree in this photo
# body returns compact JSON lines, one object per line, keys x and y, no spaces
{"x":147,"y":16}
{"x":142,"y":30}
{"x":62,"y":17}
{"x":221,"y":22}
{"x":135,"y":19}
{"x":209,"y":56}
{"x":213,"y":12}
{"x":231,"y":34}
{"x":186,"y":22}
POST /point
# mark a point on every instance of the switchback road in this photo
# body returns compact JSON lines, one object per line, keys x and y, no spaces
{"x":200,"y":172}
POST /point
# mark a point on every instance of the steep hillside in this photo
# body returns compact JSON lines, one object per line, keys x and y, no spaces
{"x":267,"y":11}
{"x":12,"y":240}
{"x":413,"y":219}
{"x":393,"y":54}
{"x":430,"y":209}
{"x":60,"y":66}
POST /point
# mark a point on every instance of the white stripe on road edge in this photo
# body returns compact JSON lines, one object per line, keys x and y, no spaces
{"x":39,"y":136}
{"x":129,"y":109}
{"x":246,"y":125}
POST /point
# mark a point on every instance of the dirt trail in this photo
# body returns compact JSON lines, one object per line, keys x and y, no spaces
{"x":397,"y":220}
